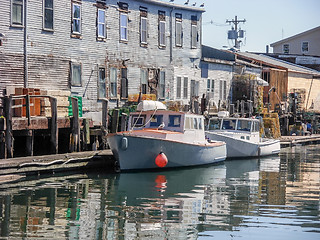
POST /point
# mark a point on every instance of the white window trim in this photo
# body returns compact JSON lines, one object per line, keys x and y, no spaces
{"x":44,"y":14}
{"x":101,"y":23}
{"x":162,"y":44}
{"x":302,"y":46}
{"x":143,"y":32}
{"x":288,"y":48}
{"x":179,"y":35}
{"x":115,"y":80}
{"x":80,"y":22}
{"x":181,"y":78}
{"x":11,"y":15}
{"x":71,"y":82}
{"x":123,"y":27}
{"x":194,"y":33}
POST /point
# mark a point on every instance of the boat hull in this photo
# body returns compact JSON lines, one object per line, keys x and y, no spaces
{"x":139,"y":152}
{"x":238,"y":148}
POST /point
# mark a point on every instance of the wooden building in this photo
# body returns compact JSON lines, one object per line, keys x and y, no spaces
{"x":285,"y":78}
{"x":96,"y":50}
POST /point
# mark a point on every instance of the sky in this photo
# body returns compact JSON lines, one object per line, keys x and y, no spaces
{"x":267,"y":21}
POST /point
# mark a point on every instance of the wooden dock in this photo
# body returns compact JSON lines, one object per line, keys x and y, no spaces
{"x":89,"y":160}
{"x":290,"y":141}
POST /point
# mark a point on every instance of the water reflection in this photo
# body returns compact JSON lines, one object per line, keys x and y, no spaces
{"x":249,"y":199}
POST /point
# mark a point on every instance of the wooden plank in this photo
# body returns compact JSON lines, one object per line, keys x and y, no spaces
{"x":29,"y":142}
{"x":8,"y":133}
{"x":54,"y":126}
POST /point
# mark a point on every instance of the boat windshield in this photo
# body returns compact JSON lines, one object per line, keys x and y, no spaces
{"x":214,"y":124}
{"x":244,"y":125}
{"x":229,"y":124}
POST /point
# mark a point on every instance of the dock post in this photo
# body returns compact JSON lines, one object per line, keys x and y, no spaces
{"x":30,"y":142}
{"x":115,"y":121}
{"x":2,"y":138}
{"x":54,"y":126}
{"x":105,"y":122}
{"x":75,"y":140}
{"x":8,"y":132}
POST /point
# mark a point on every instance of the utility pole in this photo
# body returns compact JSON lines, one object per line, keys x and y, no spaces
{"x":235,"y":33}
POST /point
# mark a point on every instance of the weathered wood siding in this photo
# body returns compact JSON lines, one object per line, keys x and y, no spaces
{"x":311,"y":86}
{"x":50,"y":53}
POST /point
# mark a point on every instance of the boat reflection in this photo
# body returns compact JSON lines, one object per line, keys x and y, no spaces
{"x":172,"y":204}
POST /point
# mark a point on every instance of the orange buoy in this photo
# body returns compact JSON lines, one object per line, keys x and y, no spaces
{"x":161,"y":160}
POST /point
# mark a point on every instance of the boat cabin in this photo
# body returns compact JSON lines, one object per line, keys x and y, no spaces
{"x":237,"y":124}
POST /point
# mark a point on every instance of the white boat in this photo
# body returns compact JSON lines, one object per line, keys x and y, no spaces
{"x":242,"y":136}
{"x":159,"y":138}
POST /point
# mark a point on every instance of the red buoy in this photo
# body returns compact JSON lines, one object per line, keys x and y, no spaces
{"x":161,"y":160}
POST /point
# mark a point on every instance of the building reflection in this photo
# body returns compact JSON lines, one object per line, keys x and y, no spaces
{"x":171,"y":204}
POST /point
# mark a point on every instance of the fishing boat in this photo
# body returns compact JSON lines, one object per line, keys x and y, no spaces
{"x":160,"y":138}
{"x":242,"y":136}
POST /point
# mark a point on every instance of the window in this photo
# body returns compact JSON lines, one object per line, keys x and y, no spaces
{"x":194,"y":32}
{"x":174,"y":121}
{"x":162,"y":85}
{"x":204,"y":70}
{"x":48,"y":14}
{"x":156,"y":120}
{"x":178,"y":30}
{"x":162,"y":29}
{"x":123,"y":26}
{"x":17,"y":8}
{"x":178,"y":87}
{"x":143,"y":25}
{"x":102,"y":83}
{"x":76,"y":18}
{"x":223,"y":90}
{"x":75,"y":74}
{"x":101,"y":23}
{"x":210,"y":85}
{"x":194,"y":91}
{"x":185,"y":87}
{"x":229,"y":124}
{"x":305,"y":47}
{"x":113,"y":82}
{"x":286,"y":48}
{"x":144,"y":80}
{"x":124,"y":83}
{"x":138,"y":121}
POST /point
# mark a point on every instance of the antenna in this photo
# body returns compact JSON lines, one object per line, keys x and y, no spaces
{"x":234,"y":33}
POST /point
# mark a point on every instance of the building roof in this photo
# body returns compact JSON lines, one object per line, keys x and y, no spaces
{"x":295,"y":36}
{"x":274,"y":62}
{"x":209,"y":52}
{"x":174,"y":5}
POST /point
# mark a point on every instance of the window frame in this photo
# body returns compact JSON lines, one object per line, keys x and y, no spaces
{"x":72,"y":82}
{"x":286,"y":48}
{"x":302,"y":47}
{"x":185,"y":87}
{"x":144,"y":81}
{"x":162,"y":84}
{"x":123,"y":27}
{"x":162,"y":33}
{"x":14,"y":4}
{"x":113,"y":90}
{"x":103,"y":24}
{"x":44,"y":16}
{"x":124,"y":83}
{"x":102,"y":83}
{"x":194,"y":36}
{"x":178,"y":32}
{"x":143,"y":30}
{"x":74,"y":4}
{"x":178,"y":94}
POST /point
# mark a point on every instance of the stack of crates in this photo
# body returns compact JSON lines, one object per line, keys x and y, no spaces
{"x":62,"y":102}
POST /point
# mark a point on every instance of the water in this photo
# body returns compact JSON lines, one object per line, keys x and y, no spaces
{"x":268,"y":198}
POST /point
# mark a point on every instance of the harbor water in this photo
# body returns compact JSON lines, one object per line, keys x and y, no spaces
{"x":268,"y":198}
